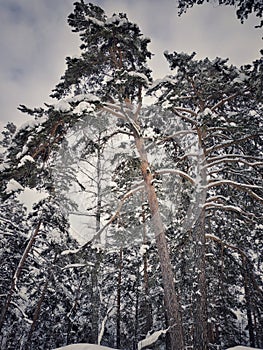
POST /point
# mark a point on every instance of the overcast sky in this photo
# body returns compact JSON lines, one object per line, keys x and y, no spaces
{"x":35,"y":39}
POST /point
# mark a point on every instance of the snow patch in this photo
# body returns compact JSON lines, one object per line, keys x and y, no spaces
{"x":31,"y":124}
{"x":83,"y":107}
{"x":13,"y":186}
{"x":83,"y":97}
{"x":139,"y":75}
{"x":30,"y":196}
{"x":25,"y":159}
{"x":94,"y":20}
{"x":62,"y":106}
{"x":151,"y":339}
{"x":143,"y":249}
{"x":84,"y":347}
{"x":242,"y":348}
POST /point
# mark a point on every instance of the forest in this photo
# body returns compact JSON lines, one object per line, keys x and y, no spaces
{"x":167,"y":195}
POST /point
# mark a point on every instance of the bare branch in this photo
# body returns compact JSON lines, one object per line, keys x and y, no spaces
{"x":118,"y":115}
{"x":224,"y":100}
{"x":190,"y":120}
{"x":218,"y":240}
{"x":186,"y":110}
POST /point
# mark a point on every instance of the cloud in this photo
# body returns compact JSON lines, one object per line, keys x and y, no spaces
{"x":35,"y":39}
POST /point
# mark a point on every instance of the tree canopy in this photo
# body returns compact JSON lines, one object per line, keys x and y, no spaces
{"x":166,"y":196}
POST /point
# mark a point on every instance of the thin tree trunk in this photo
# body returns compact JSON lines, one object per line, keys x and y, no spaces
{"x":99,"y":199}
{"x":248,"y":303}
{"x":171,"y":300}
{"x":36,"y":314}
{"x":95,"y":300}
{"x":118,"y":316}
{"x":39,"y":305}
{"x":17,"y":274}
{"x":200,"y":325}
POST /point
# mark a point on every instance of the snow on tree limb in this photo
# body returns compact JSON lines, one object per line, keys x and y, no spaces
{"x":176,"y":172}
{"x":214,"y":205}
{"x":230,"y":143}
{"x":227,"y":159}
{"x":245,"y":187}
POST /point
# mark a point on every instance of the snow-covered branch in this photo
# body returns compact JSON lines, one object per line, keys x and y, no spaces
{"x":214,"y":205}
{"x":176,"y":172}
{"x":112,"y":111}
{"x":230,"y":143}
{"x":234,"y":155}
{"x":228,"y":159}
{"x":244,"y":187}
{"x":22,"y":312}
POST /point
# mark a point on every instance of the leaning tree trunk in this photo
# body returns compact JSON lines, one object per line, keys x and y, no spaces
{"x":171,"y":300}
{"x":199,"y":299}
{"x":18,"y":273}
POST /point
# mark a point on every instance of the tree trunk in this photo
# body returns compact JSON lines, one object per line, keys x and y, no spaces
{"x":200,"y":325}
{"x":118,"y":316}
{"x":95,"y":300}
{"x":147,"y":309}
{"x":173,"y":311}
{"x":36,"y":315}
{"x":99,"y":199}
{"x":17,"y":274}
{"x":248,"y":302}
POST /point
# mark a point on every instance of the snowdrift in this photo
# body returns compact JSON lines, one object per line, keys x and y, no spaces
{"x":99,"y":347}
{"x":242,"y":348}
{"x":84,"y":347}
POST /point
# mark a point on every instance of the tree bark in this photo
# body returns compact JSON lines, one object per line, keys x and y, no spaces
{"x":200,"y":325}
{"x":172,"y":307}
{"x":118,"y":316}
{"x":18,"y":273}
{"x":248,"y":302}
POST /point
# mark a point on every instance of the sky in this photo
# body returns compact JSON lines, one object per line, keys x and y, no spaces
{"x":35,"y":39}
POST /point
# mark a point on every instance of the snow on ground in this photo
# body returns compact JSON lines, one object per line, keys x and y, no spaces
{"x":242,"y":348}
{"x":99,"y":347}
{"x":84,"y":347}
